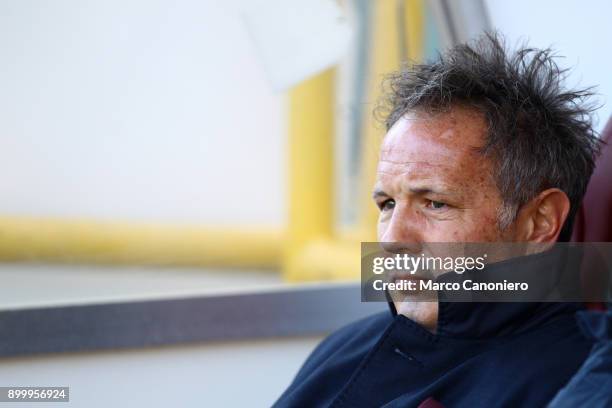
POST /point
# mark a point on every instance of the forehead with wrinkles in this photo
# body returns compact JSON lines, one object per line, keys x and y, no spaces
{"x":440,"y":149}
{"x":446,"y":134}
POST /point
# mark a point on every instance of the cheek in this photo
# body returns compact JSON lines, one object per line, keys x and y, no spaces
{"x":485,"y":229}
{"x":481,"y":229}
{"x":382,"y":225}
{"x":380,"y":229}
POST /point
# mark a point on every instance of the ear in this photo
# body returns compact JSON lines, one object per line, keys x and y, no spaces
{"x":542,"y":219}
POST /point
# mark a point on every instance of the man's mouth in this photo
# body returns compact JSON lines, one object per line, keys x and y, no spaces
{"x":407,"y":276}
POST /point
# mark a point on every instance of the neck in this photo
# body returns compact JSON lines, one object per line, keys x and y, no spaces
{"x":423,"y":313}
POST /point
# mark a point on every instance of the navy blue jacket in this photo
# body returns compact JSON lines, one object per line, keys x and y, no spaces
{"x":482,"y":355}
{"x":592,"y":385}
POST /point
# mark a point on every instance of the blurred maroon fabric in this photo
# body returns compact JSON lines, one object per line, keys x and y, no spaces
{"x":430,"y":403}
{"x":594,"y":219}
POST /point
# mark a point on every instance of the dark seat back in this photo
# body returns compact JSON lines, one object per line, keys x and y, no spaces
{"x":594,"y":219}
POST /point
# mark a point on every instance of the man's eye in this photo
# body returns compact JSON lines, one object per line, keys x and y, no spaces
{"x":436,"y":205}
{"x":387,"y":205}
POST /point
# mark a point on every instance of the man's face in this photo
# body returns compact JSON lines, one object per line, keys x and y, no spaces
{"x":432,"y":183}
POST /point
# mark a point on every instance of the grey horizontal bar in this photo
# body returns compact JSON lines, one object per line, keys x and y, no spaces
{"x":295,"y":312}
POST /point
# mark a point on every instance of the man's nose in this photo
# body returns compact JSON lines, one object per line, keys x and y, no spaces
{"x":401,"y":235}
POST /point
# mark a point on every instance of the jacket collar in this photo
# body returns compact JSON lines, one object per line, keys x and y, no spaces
{"x":491,"y":319}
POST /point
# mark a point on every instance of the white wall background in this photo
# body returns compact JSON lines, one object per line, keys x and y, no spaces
{"x":159,"y":110}
{"x":140,"y":110}
{"x":579,"y":30}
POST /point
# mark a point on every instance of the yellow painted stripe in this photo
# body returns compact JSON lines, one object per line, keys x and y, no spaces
{"x":324,"y":260}
{"x":414,"y":20}
{"x":310,"y":178}
{"x":85,"y":241}
{"x":384,"y":59}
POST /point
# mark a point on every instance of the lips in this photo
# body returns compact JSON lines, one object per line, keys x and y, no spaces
{"x":399,"y":276}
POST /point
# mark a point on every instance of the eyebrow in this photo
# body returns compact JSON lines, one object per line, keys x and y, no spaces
{"x":427,"y":190}
{"x":379,"y":193}
{"x":415,"y":190}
